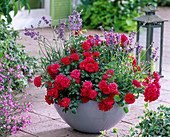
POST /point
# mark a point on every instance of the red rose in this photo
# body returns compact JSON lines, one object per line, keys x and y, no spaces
{"x":139,"y":68}
{"x":66,"y":102}
{"x":74,"y":57}
{"x":156,"y":76}
{"x":90,"y":37}
{"x":49,"y":100}
{"x":82,"y":65}
{"x":106,"y":104}
{"x":50,"y":72}
{"x":84,"y":92}
{"x":88,"y":85}
{"x":151,"y":92}
{"x":96,"y":54}
{"x":86,"y":46}
{"x":124,"y":39}
{"x":53,"y":93}
{"x":130,"y":98}
{"x":54,"y":68}
{"x":92,"y":94}
{"x":96,"y":67}
{"x":57,"y":84}
{"x":111,"y":72}
{"x":136,"y":83}
{"x":89,"y":60}
{"x":90,"y":67}
{"x":85,"y":99}
{"x":104,"y":87}
{"x":49,"y":84}
{"x":75,"y":74}
{"x":112,"y":87}
{"x":37,"y":81}
{"x":134,"y":63}
{"x":65,"y":82}
{"x":65,"y":60}
{"x":86,"y":54}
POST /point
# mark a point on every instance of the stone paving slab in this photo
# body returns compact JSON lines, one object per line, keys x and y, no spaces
{"x":47,"y":122}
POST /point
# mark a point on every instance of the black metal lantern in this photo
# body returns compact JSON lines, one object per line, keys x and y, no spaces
{"x":150,"y":21}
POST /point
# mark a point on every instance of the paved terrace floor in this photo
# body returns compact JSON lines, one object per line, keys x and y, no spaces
{"x":47,"y":122}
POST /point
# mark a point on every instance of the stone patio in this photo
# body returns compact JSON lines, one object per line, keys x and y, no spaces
{"x":47,"y":123}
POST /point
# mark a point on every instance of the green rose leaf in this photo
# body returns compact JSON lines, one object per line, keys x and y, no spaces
{"x":125,"y":109}
{"x":116,"y":98}
{"x":74,"y":110}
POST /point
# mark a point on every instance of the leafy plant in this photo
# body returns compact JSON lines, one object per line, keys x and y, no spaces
{"x":164,"y":3}
{"x":15,"y":57}
{"x":152,"y":124}
{"x":107,"y":13}
{"x":6,"y":6}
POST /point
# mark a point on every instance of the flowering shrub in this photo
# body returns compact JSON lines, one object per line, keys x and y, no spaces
{"x":87,"y":68}
{"x":16,"y":69}
{"x":10,"y":107}
{"x":16,"y":58}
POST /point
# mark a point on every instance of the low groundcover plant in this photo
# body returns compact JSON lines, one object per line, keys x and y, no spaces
{"x":82,"y":68}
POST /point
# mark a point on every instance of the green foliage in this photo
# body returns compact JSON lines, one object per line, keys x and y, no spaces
{"x":152,"y":124}
{"x":10,"y":51}
{"x":6,"y":6}
{"x":106,"y":13}
{"x":164,"y":3}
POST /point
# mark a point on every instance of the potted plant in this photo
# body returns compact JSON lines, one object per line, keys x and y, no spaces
{"x":91,"y":81}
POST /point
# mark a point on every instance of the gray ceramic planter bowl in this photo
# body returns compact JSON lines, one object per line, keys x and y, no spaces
{"x":90,"y":119}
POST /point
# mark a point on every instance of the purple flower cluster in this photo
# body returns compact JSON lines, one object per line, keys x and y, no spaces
{"x":74,"y":21}
{"x":154,"y":56}
{"x":45,"y":20}
{"x":60,"y":31}
{"x":31,"y":33}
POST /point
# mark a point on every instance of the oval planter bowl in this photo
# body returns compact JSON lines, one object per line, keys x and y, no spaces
{"x":90,"y":119}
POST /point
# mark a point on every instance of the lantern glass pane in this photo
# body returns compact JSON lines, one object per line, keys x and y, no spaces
{"x":156,"y":40}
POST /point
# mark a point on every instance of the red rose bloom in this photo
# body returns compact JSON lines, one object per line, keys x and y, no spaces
{"x":37,"y":81}
{"x":84,"y":92}
{"x":53,"y":92}
{"x":86,"y":54}
{"x":92,"y":94}
{"x":65,"y":82}
{"x":48,"y":100}
{"x":104,"y":87}
{"x":85,"y":99}
{"x":156,"y":76}
{"x":124,"y":39}
{"x":96,"y":54}
{"x":130,"y":98}
{"x":90,"y":67}
{"x":65,"y":60}
{"x":66,"y":102}
{"x":75,"y":74}
{"x":134,"y":63}
{"x":111,"y":72}
{"x":88,"y":85}
{"x":86,"y":46}
{"x":151,"y":92}
{"x":74,"y":57}
{"x":136,"y":83}
{"x":54,"y":68}
{"x":112,"y":87}
{"x":50,"y":72}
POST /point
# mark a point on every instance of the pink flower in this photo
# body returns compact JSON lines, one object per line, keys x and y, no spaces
{"x":92,"y":94}
{"x":96,"y":54}
{"x":156,"y":76}
{"x":86,"y":54}
{"x":86,"y":46}
{"x":104,"y":87}
{"x":75,"y":74}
